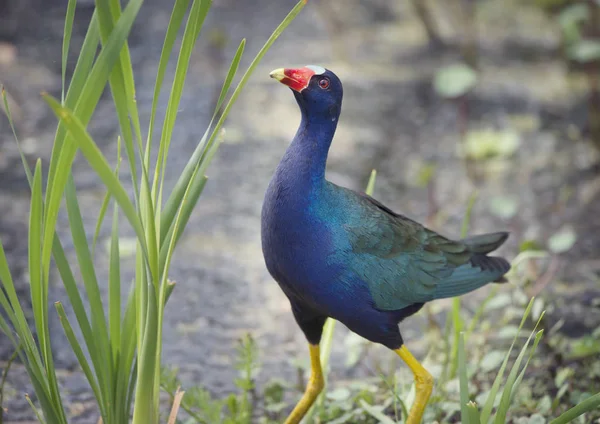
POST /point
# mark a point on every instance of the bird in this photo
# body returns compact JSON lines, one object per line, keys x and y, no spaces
{"x":337,"y":253}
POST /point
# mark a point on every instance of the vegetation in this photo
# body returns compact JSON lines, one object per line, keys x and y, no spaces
{"x":122,"y":341}
{"x":486,"y":370}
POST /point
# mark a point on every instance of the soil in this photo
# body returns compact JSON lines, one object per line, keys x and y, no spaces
{"x":392,"y":120}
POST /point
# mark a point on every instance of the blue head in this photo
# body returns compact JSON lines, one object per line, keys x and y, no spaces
{"x":318,"y":92}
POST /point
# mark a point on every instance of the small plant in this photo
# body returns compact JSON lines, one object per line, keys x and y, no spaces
{"x":470,"y":413}
{"x":199,"y":404}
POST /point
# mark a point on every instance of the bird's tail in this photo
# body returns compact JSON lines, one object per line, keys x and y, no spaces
{"x":480,"y":270}
{"x":485,"y":243}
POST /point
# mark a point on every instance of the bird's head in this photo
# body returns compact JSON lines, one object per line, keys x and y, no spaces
{"x":318,"y":91}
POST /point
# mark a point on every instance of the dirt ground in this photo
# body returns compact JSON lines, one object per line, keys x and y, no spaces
{"x":392,"y":120}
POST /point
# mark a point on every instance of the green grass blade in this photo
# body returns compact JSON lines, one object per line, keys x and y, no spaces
{"x":126,"y":369}
{"x":12,"y":306}
{"x":4,"y":325}
{"x":177,"y":15}
{"x":121,"y":83}
{"x":86,"y":102}
{"x":98,"y":162}
{"x":105,"y":201}
{"x":473,"y":413}
{"x":180,"y":187}
{"x":486,"y":412}
{"x":190,"y":36}
{"x":74,"y":295}
{"x":114,"y":289}
{"x":195,"y":191}
{"x":12,"y":127}
{"x":233,"y":68}
{"x":511,"y":380}
{"x":83,"y":362}
{"x":84,"y":65}
{"x":76,"y":92}
{"x":19,"y":321}
{"x":145,"y":411}
{"x":536,"y":341}
{"x":90,"y":281}
{"x":66,"y":42}
{"x":174,"y":201}
{"x":39,"y":293}
{"x":464,"y":381}
{"x":591,"y":403}
{"x":35,"y":410}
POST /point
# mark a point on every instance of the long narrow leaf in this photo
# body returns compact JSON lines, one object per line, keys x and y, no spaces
{"x":97,"y":161}
{"x":69,"y":17}
{"x":179,"y":9}
{"x":63,"y":151}
{"x":168,"y":215}
{"x":511,"y":380}
{"x":486,"y":412}
{"x":83,"y":362}
{"x":180,"y":187}
{"x":192,"y":30}
{"x":591,"y":403}
{"x":114,"y":289}
{"x":464,"y":383}
{"x":86,"y":266}
{"x":39,"y":295}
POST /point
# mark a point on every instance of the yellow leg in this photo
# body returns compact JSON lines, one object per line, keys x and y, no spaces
{"x":315,"y":385}
{"x":423,"y":385}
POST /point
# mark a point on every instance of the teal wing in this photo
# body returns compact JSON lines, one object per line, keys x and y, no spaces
{"x":405,"y":263}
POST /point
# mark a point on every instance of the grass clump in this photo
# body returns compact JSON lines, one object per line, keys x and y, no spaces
{"x":120,"y":348}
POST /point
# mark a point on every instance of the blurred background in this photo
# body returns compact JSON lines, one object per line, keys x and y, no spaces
{"x":445,"y":98}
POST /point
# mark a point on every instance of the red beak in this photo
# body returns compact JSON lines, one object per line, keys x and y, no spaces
{"x":296,"y":79}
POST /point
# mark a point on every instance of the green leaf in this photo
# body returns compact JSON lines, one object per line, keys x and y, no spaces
{"x":83,"y":362}
{"x":97,"y":161}
{"x":454,"y":80}
{"x":464,"y":383}
{"x":563,"y":240}
{"x":192,"y":30}
{"x":473,"y":413}
{"x":90,"y":281}
{"x":587,"y":405}
{"x":66,"y":41}
{"x":91,"y":84}
{"x":486,"y":411}
{"x":204,"y":146}
{"x":513,"y":379}
{"x":177,"y":15}
{"x":114,"y":289}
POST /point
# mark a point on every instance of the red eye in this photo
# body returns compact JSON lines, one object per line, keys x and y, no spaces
{"x":324,"y":83}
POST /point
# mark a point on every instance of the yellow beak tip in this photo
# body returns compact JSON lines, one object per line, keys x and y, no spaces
{"x":277,"y":74}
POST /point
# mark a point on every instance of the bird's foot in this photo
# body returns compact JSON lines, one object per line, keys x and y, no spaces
{"x":423,"y":386}
{"x":314,"y":387}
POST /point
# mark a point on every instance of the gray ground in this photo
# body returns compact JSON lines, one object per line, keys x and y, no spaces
{"x":391,"y":120}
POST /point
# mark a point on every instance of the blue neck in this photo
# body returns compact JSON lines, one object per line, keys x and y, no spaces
{"x":306,"y":157}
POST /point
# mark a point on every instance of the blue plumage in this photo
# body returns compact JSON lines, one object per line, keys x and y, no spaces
{"x":337,"y":253}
